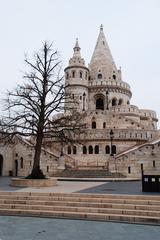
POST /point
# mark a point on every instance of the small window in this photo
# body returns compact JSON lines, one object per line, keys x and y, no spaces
{"x":69,"y":149}
{"x":74,"y":150}
{"x":99,"y":76}
{"x":47,"y":168}
{"x":96,"y":149}
{"x":21,"y":162}
{"x":80,"y":74}
{"x":129,"y":170}
{"x":80,"y":97}
{"x":84,"y":150}
{"x":128,"y":102}
{"x":93,"y":125}
{"x":154,"y":163}
{"x":67,"y":75}
{"x":114,"y":76}
{"x":90,"y":150}
{"x":104,"y":125}
{"x":107,"y":149}
{"x":73,"y":74}
{"x":113,"y":149}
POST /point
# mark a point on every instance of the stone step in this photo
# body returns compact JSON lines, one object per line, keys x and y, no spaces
{"x":80,"y":195}
{"x":82,"y":215}
{"x":81,"y":204}
{"x":84,"y":198}
{"x":134,"y":212}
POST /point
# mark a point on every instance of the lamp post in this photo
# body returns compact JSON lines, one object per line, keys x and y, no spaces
{"x":107,"y":93}
{"x":111,"y":138}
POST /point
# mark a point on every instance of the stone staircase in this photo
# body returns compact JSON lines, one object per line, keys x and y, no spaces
{"x":86,"y":173}
{"x":121,"y":208}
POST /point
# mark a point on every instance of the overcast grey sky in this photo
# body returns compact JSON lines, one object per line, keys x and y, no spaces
{"x":132,"y":29}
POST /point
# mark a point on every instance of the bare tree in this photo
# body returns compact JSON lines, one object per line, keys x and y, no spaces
{"x":36,"y":107}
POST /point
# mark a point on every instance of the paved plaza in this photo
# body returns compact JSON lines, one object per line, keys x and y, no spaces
{"x":27,"y":228}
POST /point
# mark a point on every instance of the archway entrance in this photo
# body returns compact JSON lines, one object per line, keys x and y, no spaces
{"x":100,"y":103}
{"x":16,"y":168}
{"x":1,"y":165}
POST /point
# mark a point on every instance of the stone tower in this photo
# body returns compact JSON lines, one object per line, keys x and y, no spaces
{"x":76,"y":78}
{"x":105,"y":98}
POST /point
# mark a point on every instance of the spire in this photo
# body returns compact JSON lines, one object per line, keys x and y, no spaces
{"x":102,"y":60}
{"x":77,"y":49}
{"x":76,"y":59}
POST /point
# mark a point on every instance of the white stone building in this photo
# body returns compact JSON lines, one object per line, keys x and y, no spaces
{"x":132,"y":145}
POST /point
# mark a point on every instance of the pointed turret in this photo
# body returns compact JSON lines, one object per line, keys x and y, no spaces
{"x":76,"y":59}
{"x":102,"y":63}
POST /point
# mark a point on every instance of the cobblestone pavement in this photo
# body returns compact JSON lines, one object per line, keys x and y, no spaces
{"x":27,"y":228}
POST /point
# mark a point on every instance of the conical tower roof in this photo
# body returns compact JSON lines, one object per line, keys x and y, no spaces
{"x":102,"y":60}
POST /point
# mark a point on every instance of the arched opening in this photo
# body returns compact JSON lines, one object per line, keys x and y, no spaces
{"x":113,"y":149}
{"x":67,"y":75}
{"x":114,"y":102}
{"x":1,"y":165}
{"x":94,"y":125}
{"x":100,"y":103}
{"x":21,"y":162}
{"x":86,"y":75}
{"x":114,"y":76}
{"x":128,"y":102}
{"x":74,"y":150}
{"x":99,"y":76}
{"x":16,"y":168}
{"x":96,"y":149}
{"x":104,"y":125}
{"x":80,"y":74}
{"x":90,"y":149}
{"x":107,"y":149}
{"x":69,"y":149}
{"x":120,"y":102}
{"x":73,"y":74}
{"x":84,"y":150}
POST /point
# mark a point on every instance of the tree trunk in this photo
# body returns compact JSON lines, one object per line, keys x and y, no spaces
{"x":36,"y":171}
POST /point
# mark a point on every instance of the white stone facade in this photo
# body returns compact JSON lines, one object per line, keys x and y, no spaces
{"x":105,"y":99}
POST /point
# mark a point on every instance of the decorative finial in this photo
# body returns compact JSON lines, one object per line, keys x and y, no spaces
{"x":101,"y":27}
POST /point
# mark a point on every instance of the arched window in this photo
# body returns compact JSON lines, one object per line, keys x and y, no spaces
{"x":80,"y":74}
{"x":69,"y":149}
{"x":90,"y":149}
{"x":21,"y":162}
{"x":73,"y":74}
{"x":100,"y":103}
{"x":86,"y":75}
{"x":113,"y":149}
{"x":93,"y":125}
{"x":120,"y":102}
{"x":99,"y":76}
{"x":96,"y":149}
{"x":74,"y":149}
{"x":67,"y":75}
{"x":128,"y":102}
{"x":84,"y":150}
{"x":104,"y":125}
{"x":114,"y":102}
{"x":107,"y":149}
{"x":114,"y":76}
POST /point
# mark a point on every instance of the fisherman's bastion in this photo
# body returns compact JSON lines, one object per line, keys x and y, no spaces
{"x":119,"y":137}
